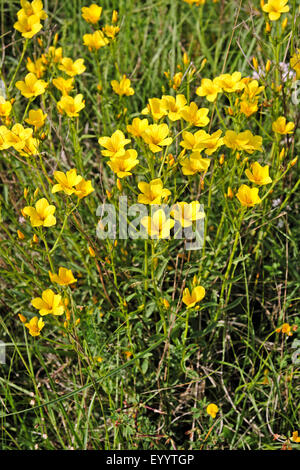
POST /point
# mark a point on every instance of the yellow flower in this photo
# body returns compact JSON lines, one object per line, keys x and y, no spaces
{"x":92,"y":13}
{"x":91,"y":252}
{"x":186,"y":213}
{"x":212,"y":410}
{"x":251,"y":90}
{"x":295,"y":62}
{"x":36,"y":118}
{"x":195,"y":164}
{"x":191,"y":299}
{"x":64,"y":85}
{"x":195,"y":2}
{"x":36,"y":67}
{"x":48,"y":303}
{"x":285,"y":329}
{"x":174,"y":106}
{"x":201,"y":140}
{"x":110,"y":31}
{"x":158,"y":226}
{"x":230,"y":83}
{"x":295,"y":437}
{"x":54,"y":55}
{"x":123,"y":87}
{"x":5,"y":107}
{"x":193,"y":115}
{"x":248,"y":108}
{"x":230,"y":193}
{"x":114,"y":145}
{"x":66,"y":181}
{"x":31,"y":86}
{"x":71,"y":106}
{"x":35,"y":326}
{"x":83,"y":189}
{"x":155,"y":136}
{"x":114,"y":17}
{"x":177,"y":79}
{"x":137,"y":127}
{"x":72,"y":68}
{"x":42,"y":214}
{"x":275,"y":8}
{"x":153,"y":192}
{"x":95,"y":40}
{"x":16,"y":137}
{"x":21,"y":235}
{"x":122,"y":165}
{"x":63,"y":278}
{"x":248,"y":197}
{"x":243,"y":141}
{"x":156,"y":108}
{"x":259,"y":174}
{"x":22,"y":318}
{"x":280,"y":126}
{"x":28,"y":25}
{"x":209,"y":88}
{"x":33,"y":8}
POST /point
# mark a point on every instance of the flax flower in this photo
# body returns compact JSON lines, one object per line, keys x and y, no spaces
{"x":158,"y":226}
{"x":72,"y":68}
{"x":36,"y":118}
{"x":37,"y":67}
{"x":186,"y":213}
{"x":49,"y":303}
{"x":71,"y":106}
{"x":83,"y":189}
{"x":114,"y":145}
{"x":230,"y":83}
{"x":280,"y":126}
{"x":195,"y":164}
{"x":212,"y":410}
{"x":5,"y":107}
{"x":243,"y":141}
{"x":110,"y":31}
{"x":258,"y":174}
{"x":209,"y":88}
{"x":123,"y":87}
{"x":31,"y":86}
{"x":123,"y":165}
{"x":137,"y":127}
{"x":35,"y":326}
{"x":201,"y":140}
{"x":155,"y":136}
{"x":34,"y":8}
{"x":295,"y":62}
{"x":191,"y":299}
{"x":248,"y":197}
{"x":17,"y":136}
{"x":275,"y":8}
{"x":194,"y":116}
{"x":63,"y":278}
{"x":64,"y":85}
{"x":153,"y":192}
{"x":174,"y":106}
{"x":28,"y":25}
{"x":41,"y":214}
{"x":95,"y":40}
{"x":92,"y":13}
{"x":66,"y":181}
{"x":156,"y":108}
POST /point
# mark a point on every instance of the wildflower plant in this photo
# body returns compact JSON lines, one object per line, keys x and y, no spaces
{"x":149,"y":217}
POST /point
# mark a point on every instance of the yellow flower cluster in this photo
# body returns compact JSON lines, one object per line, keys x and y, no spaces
{"x":29,"y":18}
